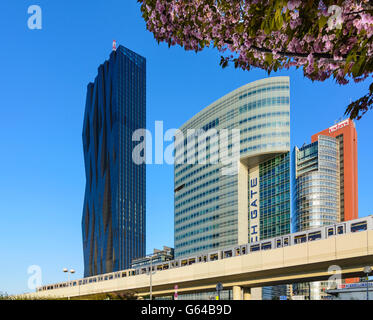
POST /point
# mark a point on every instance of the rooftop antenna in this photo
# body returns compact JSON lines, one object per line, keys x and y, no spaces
{"x":114,"y":45}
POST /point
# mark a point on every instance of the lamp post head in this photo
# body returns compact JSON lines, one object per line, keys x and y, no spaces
{"x":72,"y":271}
{"x":65,"y":270}
{"x":367,"y":270}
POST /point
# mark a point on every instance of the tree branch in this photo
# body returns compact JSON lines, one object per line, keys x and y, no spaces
{"x":326,"y":56}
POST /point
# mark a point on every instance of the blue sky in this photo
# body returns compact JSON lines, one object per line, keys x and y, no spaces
{"x":43,"y":79}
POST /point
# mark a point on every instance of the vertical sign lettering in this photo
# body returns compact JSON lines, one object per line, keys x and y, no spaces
{"x":254,"y":209}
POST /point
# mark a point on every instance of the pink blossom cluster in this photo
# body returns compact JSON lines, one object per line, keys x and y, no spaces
{"x":302,"y":37}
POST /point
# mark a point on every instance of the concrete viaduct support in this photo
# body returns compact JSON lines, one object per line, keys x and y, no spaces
{"x":245,"y":293}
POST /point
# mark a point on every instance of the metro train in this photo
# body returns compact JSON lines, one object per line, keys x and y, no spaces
{"x":337,"y":229}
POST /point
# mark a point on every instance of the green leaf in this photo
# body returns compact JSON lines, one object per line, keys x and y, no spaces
{"x":322,"y":22}
{"x":240,"y":28}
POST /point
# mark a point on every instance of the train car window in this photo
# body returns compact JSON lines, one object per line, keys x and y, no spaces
{"x":124,"y":274}
{"x":340,"y":230}
{"x":191,"y":261}
{"x":255,"y":247}
{"x":314,"y":236}
{"x":300,"y":239}
{"x":228,"y":254}
{"x":286,"y":242}
{"x":278,"y":243}
{"x":359,"y":226}
{"x":214,"y":257}
{"x":330,"y":232}
{"x":184,"y":263}
{"x":243,"y":250}
{"x":266,"y":246}
{"x":204,"y":258}
{"x":237,"y":251}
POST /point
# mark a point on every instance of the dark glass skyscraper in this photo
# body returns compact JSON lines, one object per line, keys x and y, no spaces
{"x":113,"y":222}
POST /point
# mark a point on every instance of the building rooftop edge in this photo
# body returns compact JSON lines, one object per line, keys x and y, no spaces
{"x":232,"y":93}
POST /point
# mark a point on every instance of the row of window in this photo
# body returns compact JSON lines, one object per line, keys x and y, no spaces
{"x":264,"y":103}
{"x":201,"y":195}
{"x":266,"y":89}
{"x":203,"y":185}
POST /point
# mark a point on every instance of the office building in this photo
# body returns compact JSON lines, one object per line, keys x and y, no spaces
{"x":113,"y":222}
{"x":317,"y":184}
{"x":345,"y":133}
{"x":325,"y":187}
{"x":213,"y":209}
{"x":316,"y":194}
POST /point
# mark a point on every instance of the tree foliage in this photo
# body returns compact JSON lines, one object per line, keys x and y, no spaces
{"x":327,"y":38}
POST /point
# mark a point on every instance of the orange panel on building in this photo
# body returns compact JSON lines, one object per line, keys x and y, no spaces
{"x":345,"y":132}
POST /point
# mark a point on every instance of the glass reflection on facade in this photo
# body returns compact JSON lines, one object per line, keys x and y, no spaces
{"x":316,"y":195}
{"x":209,"y":213}
{"x":317,"y":184}
{"x":113,"y":222}
{"x":275,"y":196}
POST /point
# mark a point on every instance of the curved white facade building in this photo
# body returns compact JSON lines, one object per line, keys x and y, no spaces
{"x":215,"y":209}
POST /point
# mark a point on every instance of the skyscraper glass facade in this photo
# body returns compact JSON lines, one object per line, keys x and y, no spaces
{"x":212,"y":210}
{"x":316,"y":194}
{"x":275,"y":196}
{"x":317,"y":184}
{"x":113,"y":222}
{"x":345,"y":133}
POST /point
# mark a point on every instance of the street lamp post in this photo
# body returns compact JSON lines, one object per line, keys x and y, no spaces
{"x":367,"y":270}
{"x":65,"y":270}
{"x":151,"y":273}
{"x":150,"y":278}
